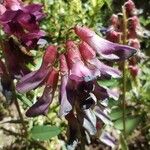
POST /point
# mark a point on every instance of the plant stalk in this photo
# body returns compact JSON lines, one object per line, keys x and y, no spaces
{"x":124,"y":71}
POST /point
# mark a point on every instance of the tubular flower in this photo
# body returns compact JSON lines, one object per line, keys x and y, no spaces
{"x":130,"y":8}
{"x":92,"y":61}
{"x":104,"y":48}
{"x":42,"y":105}
{"x":38,"y":77}
{"x":78,"y":70}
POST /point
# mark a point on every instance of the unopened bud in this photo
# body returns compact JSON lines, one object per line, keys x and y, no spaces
{"x":134,"y":43}
{"x":113,"y":36}
{"x":130,"y":7}
{"x":134,"y":22}
{"x":114,"y":20}
{"x":134,"y":70}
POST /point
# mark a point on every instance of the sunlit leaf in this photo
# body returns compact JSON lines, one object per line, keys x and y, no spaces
{"x":24,"y":99}
{"x":130,"y":122}
{"x":44,"y":132}
{"x":118,"y":112}
{"x":109,"y":83}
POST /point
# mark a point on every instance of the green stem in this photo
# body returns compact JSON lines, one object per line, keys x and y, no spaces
{"x":124,"y":69}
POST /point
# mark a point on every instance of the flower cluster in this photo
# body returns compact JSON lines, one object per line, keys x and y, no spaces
{"x":134,"y":30}
{"x":83,"y":102}
{"x":22,"y":21}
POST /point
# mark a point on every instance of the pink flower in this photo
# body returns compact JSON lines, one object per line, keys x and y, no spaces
{"x":130,"y":7}
{"x":12,"y":4}
{"x":134,"y":43}
{"x":114,"y":21}
{"x":78,"y":70}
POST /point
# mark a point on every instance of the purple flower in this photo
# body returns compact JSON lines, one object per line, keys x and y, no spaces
{"x":16,"y":60}
{"x":91,"y":92}
{"x":42,"y":105}
{"x":24,"y":24}
{"x":104,"y":48}
{"x":31,"y":39}
{"x":89,"y":55}
{"x":38,"y":77}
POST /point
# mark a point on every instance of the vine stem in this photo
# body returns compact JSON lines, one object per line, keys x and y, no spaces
{"x":124,"y":70}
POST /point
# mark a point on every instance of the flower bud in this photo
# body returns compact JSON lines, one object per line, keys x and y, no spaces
{"x":113,"y":36}
{"x":114,"y":20}
{"x":134,"y":23}
{"x":134,"y":70}
{"x":130,"y":7}
{"x":134,"y":43}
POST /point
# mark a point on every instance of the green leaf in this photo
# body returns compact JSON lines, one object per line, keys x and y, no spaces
{"x":131,"y":124}
{"x":109,"y":3}
{"x":118,"y":113}
{"x":109,"y":83}
{"x":25,"y":100}
{"x":44,"y":132}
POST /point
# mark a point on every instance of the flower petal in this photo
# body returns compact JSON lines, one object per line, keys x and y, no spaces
{"x":2,"y":9}
{"x":102,"y":92}
{"x":73,"y":54}
{"x":13,"y":4}
{"x":78,"y":70}
{"x":88,"y":120}
{"x":89,"y":56}
{"x":102,"y":115}
{"x":66,"y":93}
{"x":104,"y":48}
{"x":42,"y":105}
{"x":108,"y":139}
{"x":34,"y":79}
